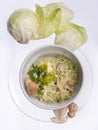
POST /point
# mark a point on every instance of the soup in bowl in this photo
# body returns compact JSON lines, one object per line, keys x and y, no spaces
{"x":51,"y":77}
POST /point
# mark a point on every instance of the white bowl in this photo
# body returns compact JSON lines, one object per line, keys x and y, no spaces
{"x":50,"y":50}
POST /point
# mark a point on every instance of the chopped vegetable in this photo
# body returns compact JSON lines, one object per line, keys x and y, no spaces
{"x":49,"y":78}
{"x":36,"y":73}
{"x":40,"y":75}
{"x":40,"y":90}
{"x":73,"y":37}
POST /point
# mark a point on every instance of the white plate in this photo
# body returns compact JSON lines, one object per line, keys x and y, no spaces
{"x":32,"y":111}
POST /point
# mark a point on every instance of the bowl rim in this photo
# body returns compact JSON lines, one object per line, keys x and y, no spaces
{"x":62,"y":105}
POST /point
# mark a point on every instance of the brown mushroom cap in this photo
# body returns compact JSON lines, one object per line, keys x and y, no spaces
{"x":73,"y":107}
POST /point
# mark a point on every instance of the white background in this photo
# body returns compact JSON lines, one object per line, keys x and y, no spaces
{"x":10,"y":117}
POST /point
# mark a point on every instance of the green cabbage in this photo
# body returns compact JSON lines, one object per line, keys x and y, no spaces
{"x":73,"y":37}
{"x":23,"y":25}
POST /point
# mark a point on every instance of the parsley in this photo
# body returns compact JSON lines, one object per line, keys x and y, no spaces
{"x":40,"y":90}
{"x":40,"y":75}
{"x":37,"y":72}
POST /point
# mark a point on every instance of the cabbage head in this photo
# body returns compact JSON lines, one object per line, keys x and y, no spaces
{"x":23,"y":25}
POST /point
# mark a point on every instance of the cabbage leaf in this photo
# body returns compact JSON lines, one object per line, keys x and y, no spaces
{"x":66,"y":14}
{"x":48,"y":23}
{"x":73,"y":37}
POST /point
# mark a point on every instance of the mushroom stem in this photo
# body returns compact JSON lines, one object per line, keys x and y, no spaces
{"x":60,"y":115}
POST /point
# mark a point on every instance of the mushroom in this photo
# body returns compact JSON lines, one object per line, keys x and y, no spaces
{"x":72,"y":110}
{"x":60,"y":115}
{"x":58,"y":84}
{"x":69,"y":90}
{"x":31,"y":86}
{"x":70,"y":83}
{"x":60,"y":67}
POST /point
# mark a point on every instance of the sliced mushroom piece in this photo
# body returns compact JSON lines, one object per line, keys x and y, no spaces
{"x":59,"y":84}
{"x":70,"y":83}
{"x":70,"y":90}
{"x":31,"y":86}
{"x":60,"y":67}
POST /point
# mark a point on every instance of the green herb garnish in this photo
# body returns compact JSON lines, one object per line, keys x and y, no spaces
{"x":40,"y":90}
{"x":40,"y":75}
